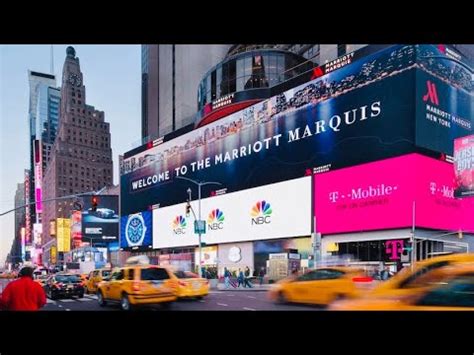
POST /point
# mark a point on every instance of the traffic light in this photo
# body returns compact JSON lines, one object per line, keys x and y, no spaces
{"x":188,"y":209}
{"x":95,"y":202}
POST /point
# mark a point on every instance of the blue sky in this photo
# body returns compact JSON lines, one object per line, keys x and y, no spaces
{"x":112,"y":76}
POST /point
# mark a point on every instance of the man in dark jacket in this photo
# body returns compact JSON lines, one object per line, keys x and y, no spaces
{"x":23,"y":294}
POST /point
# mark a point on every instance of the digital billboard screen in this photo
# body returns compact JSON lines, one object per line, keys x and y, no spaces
{"x":359,"y":113}
{"x":102,"y":225}
{"x":268,"y":212}
{"x":380,"y":195}
{"x":464,"y":166}
{"x":136,"y":230}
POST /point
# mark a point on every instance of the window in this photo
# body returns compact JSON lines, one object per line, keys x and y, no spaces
{"x":457,"y":293}
{"x":213,"y":85}
{"x":118,"y":275}
{"x":154,"y":274}
{"x":131,"y":274}
{"x":341,"y":50}
{"x":424,"y":275}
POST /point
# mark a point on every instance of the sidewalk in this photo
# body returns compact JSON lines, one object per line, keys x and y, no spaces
{"x":255,"y":288}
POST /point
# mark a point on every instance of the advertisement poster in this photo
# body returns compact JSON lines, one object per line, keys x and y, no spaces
{"x":136,"y":230}
{"x":208,"y":255}
{"x":380,"y":195}
{"x":464,"y":166}
{"x":271,"y":211}
{"x":63,"y":234}
{"x":359,"y":113}
{"x":102,"y":225}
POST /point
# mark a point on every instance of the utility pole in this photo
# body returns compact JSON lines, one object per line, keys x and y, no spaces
{"x":199,"y":185}
{"x":413,"y":241}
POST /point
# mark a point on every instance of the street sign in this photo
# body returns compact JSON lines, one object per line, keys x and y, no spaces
{"x":200,"y":227}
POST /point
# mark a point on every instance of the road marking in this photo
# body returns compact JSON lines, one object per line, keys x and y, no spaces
{"x":202,"y":301}
{"x":216,"y":291}
{"x":66,"y":300}
{"x":249,"y":309}
{"x":222,"y":304}
{"x":67,"y":309}
{"x":60,"y":306}
{"x":50,"y":301}
{"x":252,"y":297}
{"x":91,"y":296}
{"x":85,"y":299}
{"x":230,"y":295}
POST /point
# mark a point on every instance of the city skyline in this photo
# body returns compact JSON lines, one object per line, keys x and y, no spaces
{"x":112,"y":78}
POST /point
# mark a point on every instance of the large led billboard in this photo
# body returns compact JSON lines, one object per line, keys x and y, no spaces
{"x":102,"y":225}
{"x":464,"y":166}
{"x":362,"y":112}
{"x":273,"y":211}
{"x":380,"y":195}
{"x":136,"y":230}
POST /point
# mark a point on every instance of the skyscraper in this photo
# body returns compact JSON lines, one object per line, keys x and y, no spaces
{"x":81,"y":157}
{"x":170,"y":78}
{"x":37,"y":117}
{"x":15,"y":252}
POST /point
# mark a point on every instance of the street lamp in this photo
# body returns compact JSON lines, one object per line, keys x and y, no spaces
{"x":199,"y":184}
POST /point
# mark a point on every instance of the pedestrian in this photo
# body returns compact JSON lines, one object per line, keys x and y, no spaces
{"x":226,"y":277}
{"x":23,"y":294}
{"x":261,"y":275}
{"x":240,"y":278}
{"x":385,"y":274}
{"x":247,"y":278}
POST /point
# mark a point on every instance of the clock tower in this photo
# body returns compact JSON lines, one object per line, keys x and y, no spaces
{"x":81,"y":158}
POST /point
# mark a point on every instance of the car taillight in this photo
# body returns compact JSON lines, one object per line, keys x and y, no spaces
{"x":362,"y":279}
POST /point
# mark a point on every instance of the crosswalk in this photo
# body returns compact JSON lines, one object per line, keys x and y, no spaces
{"x":87,"y":298}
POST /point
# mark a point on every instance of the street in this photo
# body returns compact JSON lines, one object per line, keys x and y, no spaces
{"x":215,"y":301}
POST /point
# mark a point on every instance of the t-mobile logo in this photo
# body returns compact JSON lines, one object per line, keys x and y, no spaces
{"x":433,"y":187}
{"x":394,"y":248}
{"x":333,"y":196}
{"x":432,"y":94}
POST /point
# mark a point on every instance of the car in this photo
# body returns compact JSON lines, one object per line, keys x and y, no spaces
{"x":64,"y":285}
{"x":136,"y":285}
{"x":320,"y":286}
{"x":94,"y":278}
{"x":105,"y":213}
{"x":191,"y":285}
{"x":41,"y":279}
{"x":454,"y":292}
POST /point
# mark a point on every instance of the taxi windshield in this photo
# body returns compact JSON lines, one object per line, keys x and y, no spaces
{"x":67,"y":278}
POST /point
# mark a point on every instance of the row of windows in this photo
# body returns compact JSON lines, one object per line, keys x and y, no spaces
{"x":83,"y":122}
{"x":249,"y":72}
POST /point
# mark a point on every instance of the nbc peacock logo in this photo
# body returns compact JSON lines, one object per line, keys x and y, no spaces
{"x":179,"y":225}
{"x":215,"y":220}
{"x":261,"y":213}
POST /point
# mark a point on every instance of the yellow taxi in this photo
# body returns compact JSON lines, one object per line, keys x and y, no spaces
{"x":319,"y":287}
{"x":454,"y":291}
{"x":138,"y":284}
{"x":94,"y":278}
{"x":191,"y":285}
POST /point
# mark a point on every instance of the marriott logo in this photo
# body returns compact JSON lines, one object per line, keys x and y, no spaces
{"x":432,"y":94}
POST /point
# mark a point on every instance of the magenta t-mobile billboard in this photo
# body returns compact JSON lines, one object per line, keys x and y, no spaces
{"x":380,"y":195}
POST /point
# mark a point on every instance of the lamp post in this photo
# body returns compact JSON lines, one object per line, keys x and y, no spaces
{"x":199,"y":184}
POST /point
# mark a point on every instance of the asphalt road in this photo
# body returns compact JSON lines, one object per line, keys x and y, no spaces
{"x":215,"y":301}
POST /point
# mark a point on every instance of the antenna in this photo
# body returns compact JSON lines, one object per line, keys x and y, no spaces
{"x":52,"y":61}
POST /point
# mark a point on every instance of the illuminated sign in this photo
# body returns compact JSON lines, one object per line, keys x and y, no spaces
{"x":37,"y":233}
{"x":23,"y":247}
{"x":28,"y":208}
{"x":380,"y":195}
{"x":38,"y":176}
{"x":464,"y":166}
{"x":223,"y":101}
{"x":394,"y":248}
{"x":63,"y":234}
{"x":53,"y":254}
{"x":278,"y":210}
{"x":208,"y":255}
{"x":338,"y":63}
{"x":52,"y":228}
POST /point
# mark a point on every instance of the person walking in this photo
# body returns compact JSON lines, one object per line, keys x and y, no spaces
{"x":226,"y":278}
{"x":240,"y":278}
{"x":261,"y":275}
{"x":23,"y":294}
{"x":247,"y":282}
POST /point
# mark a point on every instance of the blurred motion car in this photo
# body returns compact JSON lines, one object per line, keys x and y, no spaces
{"x":191,"y":285}
{"x":41,"y":279}
{"x":454,"y":292}
{"x":95,"y":277}
{"x":64,"y":285}
{"x":138,"y":284}
{"x":320,"y":286}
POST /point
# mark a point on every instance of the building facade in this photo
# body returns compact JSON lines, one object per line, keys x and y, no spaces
{"x":81,"y":158}
{"x":170,"y":77}
{"x":357,"y":154}
{"x":15,"y":252}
